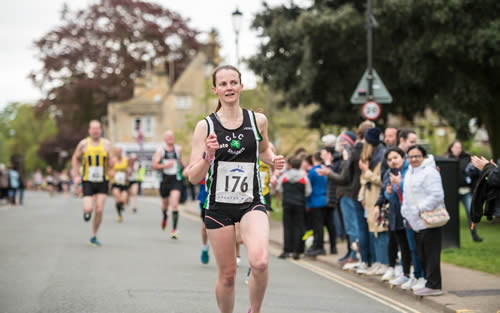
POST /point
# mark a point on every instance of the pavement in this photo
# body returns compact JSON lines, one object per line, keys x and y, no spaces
{"x":464,"y":290}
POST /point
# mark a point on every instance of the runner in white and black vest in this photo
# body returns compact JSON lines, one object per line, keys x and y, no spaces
{"x":227,"y":146}
{"x":167,"y":159}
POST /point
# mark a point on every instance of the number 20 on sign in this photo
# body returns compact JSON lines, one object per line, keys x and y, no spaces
{"x":371,"y":110}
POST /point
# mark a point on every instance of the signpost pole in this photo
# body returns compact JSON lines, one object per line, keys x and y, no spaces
{"x":369,"y":48}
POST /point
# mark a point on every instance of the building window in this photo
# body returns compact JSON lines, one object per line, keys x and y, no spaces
{"x":136,"y":126}
{"x":183,"y":102}
{"x":148,"y":126}
{"x":144,"y":124}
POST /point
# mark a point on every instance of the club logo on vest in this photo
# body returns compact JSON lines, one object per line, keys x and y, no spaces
{"x":235,"y":143}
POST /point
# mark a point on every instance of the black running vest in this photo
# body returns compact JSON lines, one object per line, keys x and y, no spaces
{"x":233,"y":177}
{"x":173,"y":171}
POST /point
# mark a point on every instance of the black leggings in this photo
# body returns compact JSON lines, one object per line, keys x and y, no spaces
{"x":429,"y":253}
{"x":402,"y":242}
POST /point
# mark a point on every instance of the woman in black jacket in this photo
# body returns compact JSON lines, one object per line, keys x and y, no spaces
{"x":465,"y":186}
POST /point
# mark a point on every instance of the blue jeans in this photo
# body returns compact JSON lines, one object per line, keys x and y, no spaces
{"x":466,"y":201}
{"x":356,"y":226}
{"x":350,"y":220}
{"x":418,"y":271}
{"x":380,"y":245}
{"x":12,"y":195}
{"x":365,"y":247}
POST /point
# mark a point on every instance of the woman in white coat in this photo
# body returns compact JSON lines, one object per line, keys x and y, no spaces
{"x":423,"y":191}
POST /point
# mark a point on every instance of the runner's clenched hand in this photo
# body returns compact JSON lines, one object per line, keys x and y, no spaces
{"x":212,"y":145}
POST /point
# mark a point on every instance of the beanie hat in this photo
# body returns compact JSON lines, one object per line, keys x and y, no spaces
{"x":372,"y":136}
{"x":350,"y":137}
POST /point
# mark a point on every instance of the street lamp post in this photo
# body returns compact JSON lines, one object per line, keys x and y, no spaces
{"x":237,"y":18}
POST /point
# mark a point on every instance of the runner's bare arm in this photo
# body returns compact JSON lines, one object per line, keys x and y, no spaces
{"x":266,"y":154}
{"x":198,"y":167}
{"x":75,"y":160}
{"x":156,"y":160}
{"x":180,"y":157}
{"x":111,"y":158}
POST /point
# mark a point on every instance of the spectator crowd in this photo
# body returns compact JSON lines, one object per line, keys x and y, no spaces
{"x":378,"y":195}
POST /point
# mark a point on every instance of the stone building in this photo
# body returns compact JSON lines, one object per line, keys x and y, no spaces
{"x":161,"y":103}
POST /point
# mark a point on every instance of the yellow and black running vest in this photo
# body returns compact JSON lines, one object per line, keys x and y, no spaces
{"x":120,"y":170}
{"x":95,"y":163}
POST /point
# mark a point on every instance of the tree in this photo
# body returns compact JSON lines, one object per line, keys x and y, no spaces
{"x":24,"y":130}
{"x":93,"y":57}
{"x":438,"y":54}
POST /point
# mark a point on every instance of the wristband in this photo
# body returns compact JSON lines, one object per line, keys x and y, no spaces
{"x":206,"y":158}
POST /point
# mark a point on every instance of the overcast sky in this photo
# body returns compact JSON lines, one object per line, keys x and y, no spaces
{"x":23,"y":21}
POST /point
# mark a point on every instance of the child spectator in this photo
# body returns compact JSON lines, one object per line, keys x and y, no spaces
{"x":295,"y":187}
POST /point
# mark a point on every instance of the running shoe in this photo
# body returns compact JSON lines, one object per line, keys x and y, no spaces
{"x":204,"y":256}
{"x":94,"y":242}
{"x":87,"y":216}
{"x":238,"y":261}
{"x":120,"y":219}
{"x":173,"y":234}
{"x":164,"y":224}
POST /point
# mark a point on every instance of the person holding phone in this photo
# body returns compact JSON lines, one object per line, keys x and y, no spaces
{"x":392,"y":187}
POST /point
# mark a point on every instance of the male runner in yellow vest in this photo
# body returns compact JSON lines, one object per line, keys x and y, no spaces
{"x":97,"y":160}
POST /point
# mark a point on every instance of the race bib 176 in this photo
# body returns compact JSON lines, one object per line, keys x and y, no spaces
{"x":234,"y":182}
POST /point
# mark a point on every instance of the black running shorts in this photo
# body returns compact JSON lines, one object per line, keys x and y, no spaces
{"x":168,"y":186}
{"x":202,"y":213}
{"x":90,"y":189}
{"x":121,"y":187}
{"x":132,"y":182}
{"x":268,"y":202}
{"x":218,"y":218}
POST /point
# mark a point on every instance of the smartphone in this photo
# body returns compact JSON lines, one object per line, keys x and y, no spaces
{"x":394,"y":171}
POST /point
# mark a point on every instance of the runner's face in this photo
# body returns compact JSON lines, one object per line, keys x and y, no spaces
{"x":95,"y":130}
{"x":227,"y":86}
{"x":169,"y":138}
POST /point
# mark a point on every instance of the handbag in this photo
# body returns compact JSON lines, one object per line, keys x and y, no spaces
{"x":434,"y":218}
{"x":383,"y":218}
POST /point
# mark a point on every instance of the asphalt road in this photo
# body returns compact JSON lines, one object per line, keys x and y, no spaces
{"x":47,"y":265}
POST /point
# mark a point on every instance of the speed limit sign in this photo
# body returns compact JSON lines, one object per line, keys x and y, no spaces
{"x":371,"y":110}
